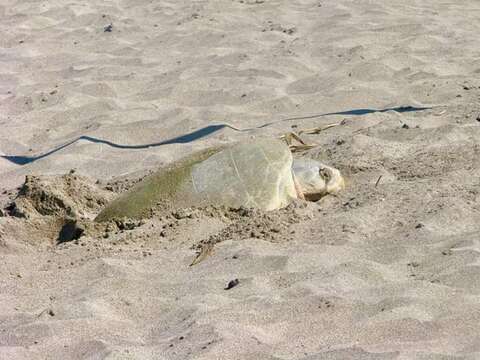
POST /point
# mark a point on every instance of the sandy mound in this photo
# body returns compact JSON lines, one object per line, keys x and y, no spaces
{"x":55,"y":208}
{"x":65,"y":196}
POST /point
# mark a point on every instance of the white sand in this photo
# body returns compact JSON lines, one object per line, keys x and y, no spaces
{"x":381,"y":272}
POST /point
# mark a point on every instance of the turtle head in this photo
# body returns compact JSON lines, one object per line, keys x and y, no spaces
{"x":315,"y":179}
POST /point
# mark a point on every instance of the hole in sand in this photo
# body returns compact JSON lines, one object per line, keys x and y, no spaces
{"x":70,"y":231}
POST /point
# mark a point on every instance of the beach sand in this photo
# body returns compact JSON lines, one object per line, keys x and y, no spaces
{"x":388,"y":269}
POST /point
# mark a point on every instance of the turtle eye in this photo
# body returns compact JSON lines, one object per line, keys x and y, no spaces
{"x":325,"y":174}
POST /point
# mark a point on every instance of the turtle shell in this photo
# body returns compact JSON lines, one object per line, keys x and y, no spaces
{"x":253,"y":174}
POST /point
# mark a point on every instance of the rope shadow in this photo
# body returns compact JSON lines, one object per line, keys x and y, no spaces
{"x":200,"y":133}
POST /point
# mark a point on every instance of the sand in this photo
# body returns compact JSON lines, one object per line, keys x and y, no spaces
{"x":388,"y":269}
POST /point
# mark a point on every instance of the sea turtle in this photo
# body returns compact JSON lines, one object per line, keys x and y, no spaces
{"x":260,"y":173}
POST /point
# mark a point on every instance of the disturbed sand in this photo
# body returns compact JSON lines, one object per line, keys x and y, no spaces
{"x":389,"y":269}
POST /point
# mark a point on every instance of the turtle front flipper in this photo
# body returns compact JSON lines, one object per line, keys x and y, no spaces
{"x":298,"y":187}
